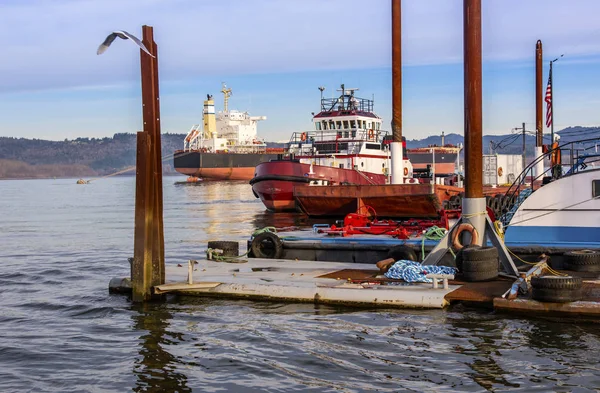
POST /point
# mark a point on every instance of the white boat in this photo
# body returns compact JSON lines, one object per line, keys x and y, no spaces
{"x":564,"y":212}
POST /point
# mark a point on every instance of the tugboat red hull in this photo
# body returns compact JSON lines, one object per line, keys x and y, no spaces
{"x":274,"y":181}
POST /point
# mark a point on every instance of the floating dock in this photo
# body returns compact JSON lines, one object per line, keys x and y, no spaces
{"x":357,"y":285}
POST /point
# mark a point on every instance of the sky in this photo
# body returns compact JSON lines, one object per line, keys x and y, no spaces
{"x":275,"y":53}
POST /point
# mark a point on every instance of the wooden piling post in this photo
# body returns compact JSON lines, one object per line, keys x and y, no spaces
{"x":147,"y":269}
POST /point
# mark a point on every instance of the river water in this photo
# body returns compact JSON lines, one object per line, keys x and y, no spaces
{"x":61,"y":331}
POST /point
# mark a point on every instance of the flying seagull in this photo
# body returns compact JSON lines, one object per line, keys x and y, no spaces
{"x":124,"y":35}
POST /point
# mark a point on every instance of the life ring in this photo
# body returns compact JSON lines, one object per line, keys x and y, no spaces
{"x":303,"y":137}
{"x":460,"y":229}
{"x":500,"y":171}
{"x":371,"y":134}
{"x":405,"y":171}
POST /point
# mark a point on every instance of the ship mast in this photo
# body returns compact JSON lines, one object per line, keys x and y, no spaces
{"x":226,"y":94}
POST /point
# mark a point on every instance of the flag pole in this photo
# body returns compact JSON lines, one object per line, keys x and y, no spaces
{"x":551,"y":105}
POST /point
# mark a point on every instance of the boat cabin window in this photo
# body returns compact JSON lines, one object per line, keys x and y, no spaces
{"x":318,"y":124}
{"x":354,"y":134}
{"x":338,"y":125}
{"x":373,"y":146}
{"x":339,"y":134}
{"x":331,"y":125}
{"x":377,"y":126}
{"x":345,"y":124}
{"x":346,"y":134}
{"x":595,"y":188}
{"x":352,"y":124}
{"x":324,"y":125}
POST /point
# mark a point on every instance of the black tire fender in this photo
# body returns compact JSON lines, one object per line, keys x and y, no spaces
{"x":555,"y":295}
{"x":556,"y":282}
{"x":582,"y":257}
{"x":459,"y":255}
{"x":267,"y":245}
{"x":480,"y":254}
{"x":490,"y":265}
{"x":230,"y":249}
{"x":480,"y":276}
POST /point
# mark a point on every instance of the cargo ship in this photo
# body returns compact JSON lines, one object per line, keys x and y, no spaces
{"x":346,"y":147}
{"x":225,"y":147}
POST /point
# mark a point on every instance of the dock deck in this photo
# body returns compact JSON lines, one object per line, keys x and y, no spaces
{"x":303,"y":281}
{"x":355,"y":284}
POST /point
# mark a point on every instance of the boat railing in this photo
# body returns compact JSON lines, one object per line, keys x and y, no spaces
{"x":348,"y":103}
{"x":577,"y":157}
{"x":346,"y":135}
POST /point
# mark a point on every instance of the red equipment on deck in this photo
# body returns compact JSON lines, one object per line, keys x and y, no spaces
{"x":368,"y":224}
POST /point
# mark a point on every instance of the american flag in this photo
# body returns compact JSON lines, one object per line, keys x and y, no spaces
{"x":548,"y":100}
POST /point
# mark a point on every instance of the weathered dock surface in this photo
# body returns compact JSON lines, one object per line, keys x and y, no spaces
{"x":308,"y":281}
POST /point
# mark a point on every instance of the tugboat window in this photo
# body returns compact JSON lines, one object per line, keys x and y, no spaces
{"x":346,"y":124}
{"x":338,"y":125}
{"x":352,"y":124}
{"x":318,"y":124}
{"x":324,"y":125}
{"x":595,"y":188}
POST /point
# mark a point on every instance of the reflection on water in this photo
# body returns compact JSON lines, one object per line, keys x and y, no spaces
{"x":156,"y":368}
{"x":60,"y":330}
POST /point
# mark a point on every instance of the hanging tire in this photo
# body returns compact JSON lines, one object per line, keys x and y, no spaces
{"x":582,"y":261}
{"x":267,"y":245}
{"x":506,"y":203}
{"x":454,"y":202}
{"x":230,"y":249}
{"x":402,"y":252}
{"x":555,"y":289}
{"x":480,"y":254}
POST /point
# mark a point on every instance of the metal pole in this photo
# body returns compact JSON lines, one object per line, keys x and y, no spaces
{"x":551,"y":105}
{"x":539,"y":95}
{"x":524,"y":150}
{"x":472,"y":80}
{"x":396,"y":145}
{"x":147,"y":269}
{"x":539,"y":98}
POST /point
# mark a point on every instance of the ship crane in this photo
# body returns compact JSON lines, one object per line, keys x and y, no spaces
{"x":226,"y":94}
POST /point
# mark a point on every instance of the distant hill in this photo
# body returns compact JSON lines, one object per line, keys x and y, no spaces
{"x":88,"y":157}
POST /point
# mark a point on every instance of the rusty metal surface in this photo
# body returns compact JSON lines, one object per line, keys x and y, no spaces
{"x":479,"y":292}
{"x":148,"y":263}
{"x":391,"y":200}
{"x":532,"y":307}
{"x":472,"y":93}
{"x":396,"y":71}
{"x":538,"y":94}
{"x":352,"y":274}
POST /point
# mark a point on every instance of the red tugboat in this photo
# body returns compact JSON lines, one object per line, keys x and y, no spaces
{"x":346,"y":147}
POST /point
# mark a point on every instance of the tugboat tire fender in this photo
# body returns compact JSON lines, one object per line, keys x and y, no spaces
{"x":267,"y":245}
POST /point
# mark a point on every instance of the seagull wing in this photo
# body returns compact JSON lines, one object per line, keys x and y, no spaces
{"x":124,"y":35}
{"x":134,"y":39}
{"x":104,"y":46}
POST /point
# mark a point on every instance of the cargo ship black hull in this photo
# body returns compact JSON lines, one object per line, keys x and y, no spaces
{"x":219,"y":166}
